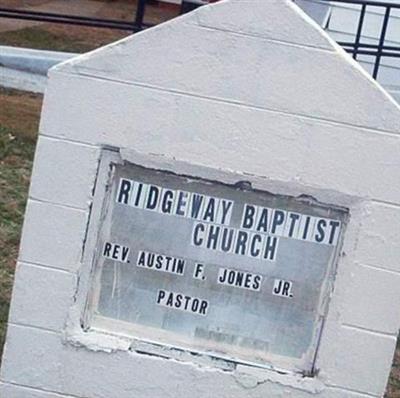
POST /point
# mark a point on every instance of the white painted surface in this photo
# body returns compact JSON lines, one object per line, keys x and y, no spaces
{"x":52,"y":184}
{"x":43,"y":314}
{"x":234,"y":99}
{"x":256,"y":131}
{"x":376,"y":289}
{"x":380,"y":219}
{"x":59,"y":240}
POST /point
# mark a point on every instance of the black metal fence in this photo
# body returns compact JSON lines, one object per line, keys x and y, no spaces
{"x":355,"y":47}
{"x":380,"y":49}
{"x":136,"y":24}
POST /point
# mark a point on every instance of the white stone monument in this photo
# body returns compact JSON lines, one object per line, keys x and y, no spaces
{"x":214,"y":212}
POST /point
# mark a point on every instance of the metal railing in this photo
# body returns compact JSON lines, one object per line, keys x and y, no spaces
{"x":358,"y":46}
{"x":135,"y":25}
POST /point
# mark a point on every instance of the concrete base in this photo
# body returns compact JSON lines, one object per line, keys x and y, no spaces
{"x":20,"y":80}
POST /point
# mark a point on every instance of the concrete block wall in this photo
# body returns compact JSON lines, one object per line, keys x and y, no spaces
{"x":259,"y":92}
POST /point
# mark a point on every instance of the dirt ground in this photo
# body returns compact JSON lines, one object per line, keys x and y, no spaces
{"x":393,"y":389}
{"x":19,"y":116}
{"x":71,"y":38}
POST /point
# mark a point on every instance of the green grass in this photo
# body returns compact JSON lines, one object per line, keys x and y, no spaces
{"x":16,"y":155}
{"x":42,"y":39}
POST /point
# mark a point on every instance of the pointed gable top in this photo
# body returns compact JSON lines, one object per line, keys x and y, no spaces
{"x":256,"y":53}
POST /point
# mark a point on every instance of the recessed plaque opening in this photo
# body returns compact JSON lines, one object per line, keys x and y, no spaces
{"x":223,"y":270}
